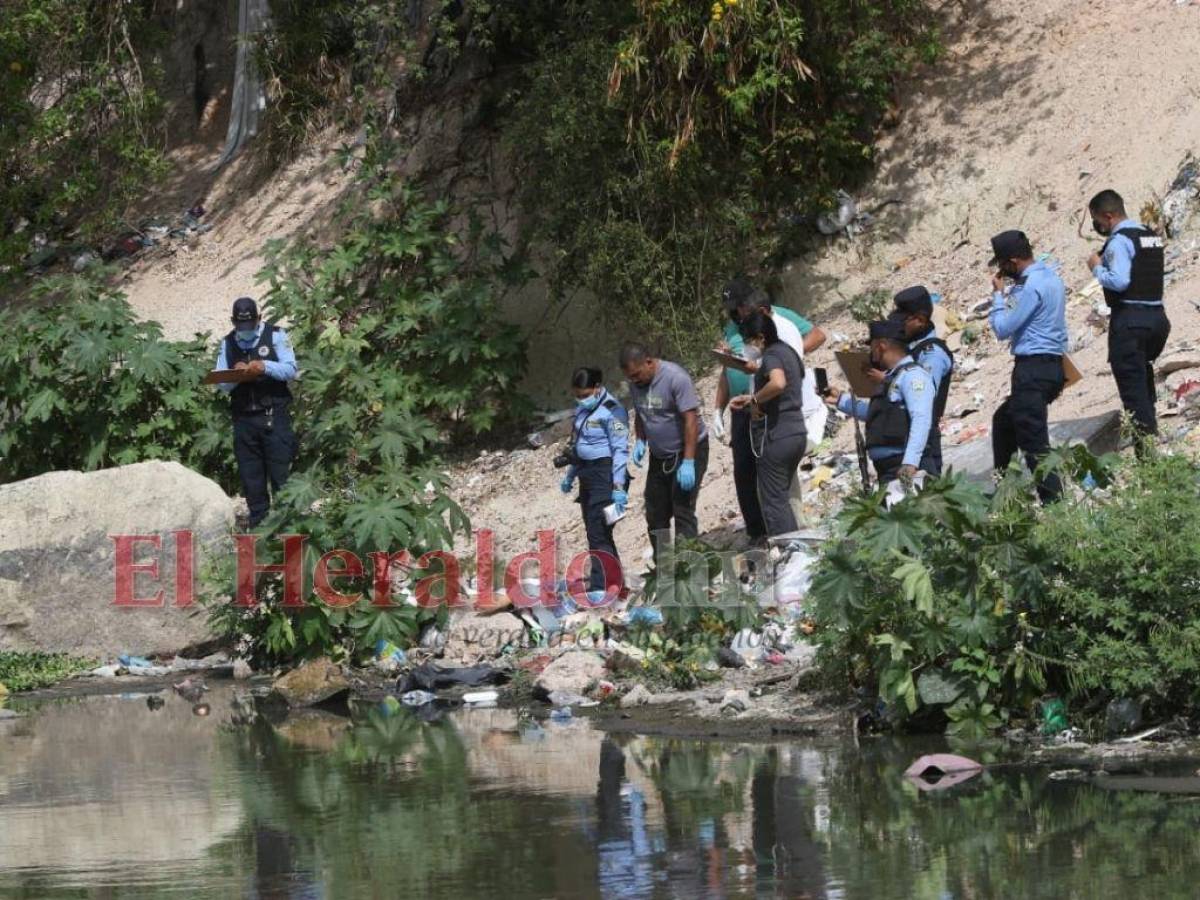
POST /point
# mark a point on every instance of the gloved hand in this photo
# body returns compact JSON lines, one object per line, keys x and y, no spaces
{"x":567,"y":483}
{"x":639,"y":452}
{"x":686,"y":476}
{"x":717,"y":423}
{"x":620,"y":500}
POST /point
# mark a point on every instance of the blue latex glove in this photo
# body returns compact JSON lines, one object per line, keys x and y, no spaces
{"x":639,"y":452}
{"x":567,"y":483}
{"x":620,"y":500}
{"x":686,"y":476}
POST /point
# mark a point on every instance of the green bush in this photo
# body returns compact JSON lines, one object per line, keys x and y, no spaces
{"x":31,"y":671}
{"x":85,"y":385}
{"x":1126,"y":584}
{"x":956,"y":605}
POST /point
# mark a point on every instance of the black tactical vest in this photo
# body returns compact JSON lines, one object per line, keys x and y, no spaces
{"x":888,"y":420}
{"x":943,"y":392}
{"x":263,"y":393}
{"x":1146,"y":271}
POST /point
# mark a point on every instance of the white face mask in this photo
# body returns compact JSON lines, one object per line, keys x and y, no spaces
{"x":752,"y":353}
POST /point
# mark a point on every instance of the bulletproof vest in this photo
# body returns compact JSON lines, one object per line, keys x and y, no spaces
{"x":1146,"y":271}
{"x":943,"y":392}
{"x":262,"y":393}
{"x":888,"y":420}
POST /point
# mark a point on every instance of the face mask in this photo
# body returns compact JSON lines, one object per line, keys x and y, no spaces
{"x":589,"y":403}
{"x":752,"y":353}
{"x":247,"y":335}
{"x":1100,"y":229}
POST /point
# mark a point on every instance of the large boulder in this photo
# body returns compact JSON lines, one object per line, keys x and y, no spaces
{"x":58,"y":559}
{"x":1101,"y":433}
{"x":471,"y":636}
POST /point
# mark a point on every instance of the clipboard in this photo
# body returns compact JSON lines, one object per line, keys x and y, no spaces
{"x":228,"y":376}
{"x":854,"y":364}
{"x":731,"y":360}
{"x":1071,"y":372}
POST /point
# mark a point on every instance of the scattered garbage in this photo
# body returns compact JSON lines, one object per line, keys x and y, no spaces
{"x":191,"y":689}
{"x":561,"y":714}
{"x":941,"y":771}
{"x":416,"y":698}
{"x":431,"y":677}
{"x":481,"y":698}
{"x":1123,"y":715}
{"x":646,"y":616}
{"x":1054,"y":716}
{"x":388,"y":657}
{"x":131,"y":662}
{"x":566,"y":698}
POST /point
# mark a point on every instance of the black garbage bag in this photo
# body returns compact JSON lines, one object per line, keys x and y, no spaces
{"x":430,"y":677}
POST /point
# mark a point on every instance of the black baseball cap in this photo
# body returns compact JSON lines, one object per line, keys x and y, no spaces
{"x":739,"y":292}
{"x":914,"y":300}
{"x":245,"y":310}
{"x":890,"y":329}
{"x":1008,"y":245}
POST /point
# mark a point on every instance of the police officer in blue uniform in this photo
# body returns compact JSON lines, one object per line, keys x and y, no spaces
{"x":914,"y":310}
{"x":263,"y":441}
{"x":900,"y":414}
{"x":1033,"y":317}
{"x":1130,"y":268}
{"x":598,"y":456}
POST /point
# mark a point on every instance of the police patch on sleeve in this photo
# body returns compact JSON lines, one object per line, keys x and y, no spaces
{"x":618,"y":426}
{"x":918,"y":384}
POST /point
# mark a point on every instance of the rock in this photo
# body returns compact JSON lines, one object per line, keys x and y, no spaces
{"x":627,"y":658}
{"x":638,"y":695}
{"x":571,"y":673}
{"x":735,"y":700}
{"x":242,"y":670}
{"x":312,"y":683}
{"x":1123,"y":715}
{"x":1101,"y":434}
{"x":57,"y":561}
{"x":1176,"y":363}
{"x":8,"y":714}
{"x":471,"y":636}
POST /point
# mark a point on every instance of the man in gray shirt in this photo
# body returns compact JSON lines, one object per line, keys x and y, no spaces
{"x":668,"y":426}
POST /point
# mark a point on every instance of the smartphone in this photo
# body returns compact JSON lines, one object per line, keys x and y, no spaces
{"x":822,"y":381}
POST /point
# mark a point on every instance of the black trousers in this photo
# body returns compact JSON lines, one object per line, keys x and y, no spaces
{"x":776,"y":470}
{"x":666,"y":501}
{"x":887,"y":468}
{"x":595,"y":493}
{"x":1136,"y":336}
{"x":745,"y":474}
{"x":931,"y":460}
{"x":264,"y":445}
{"x":1022,"y":420}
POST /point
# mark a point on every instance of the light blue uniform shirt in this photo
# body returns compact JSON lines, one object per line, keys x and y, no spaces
{"x":934,"y":360}
{"x":282,"y":370}
{"x":1116,"y":267}
{"x":603,"y":432}
{"x":1034,"y":315}
{"x":915,"y":387}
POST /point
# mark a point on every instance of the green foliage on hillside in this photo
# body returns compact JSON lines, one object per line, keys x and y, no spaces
{"x":81,"y":133}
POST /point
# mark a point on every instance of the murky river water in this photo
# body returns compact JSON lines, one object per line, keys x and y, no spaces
{"x":106,"y":797}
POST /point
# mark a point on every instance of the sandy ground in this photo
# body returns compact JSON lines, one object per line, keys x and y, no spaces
{"x":1037,"y":105}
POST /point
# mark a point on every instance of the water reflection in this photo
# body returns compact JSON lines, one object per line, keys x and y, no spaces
{"x":107,"y":797}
